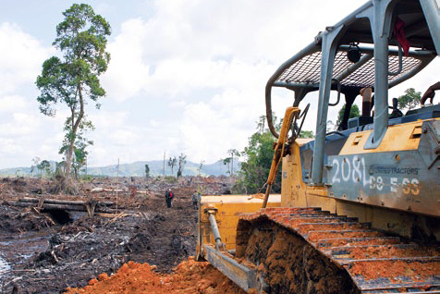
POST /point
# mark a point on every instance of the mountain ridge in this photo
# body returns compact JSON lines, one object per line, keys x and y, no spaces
{"x":136,"y":169}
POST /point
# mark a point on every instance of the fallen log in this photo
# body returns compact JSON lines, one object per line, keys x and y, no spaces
{"x":81,"y":207}
{"x":96,"y":190}
{"x":66,"y":202}
{"x":51,"y":204}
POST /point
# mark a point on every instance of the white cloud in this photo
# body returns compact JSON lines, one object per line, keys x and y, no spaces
{"x":127,"y":72}
{"x":23,"y":131}
{"x":21,"y":57}
{"x":217,"y":126}
{"x":10,"y":103}
{"x":108,"y":120}
{"x":187,"y":45}
{"x":22,"y":124}
{"x":27,"y":135}
{"x":124,"y":137}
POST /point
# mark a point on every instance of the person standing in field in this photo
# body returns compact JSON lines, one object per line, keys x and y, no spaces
{"x":169,"y":196}
{"x":195,"y":199}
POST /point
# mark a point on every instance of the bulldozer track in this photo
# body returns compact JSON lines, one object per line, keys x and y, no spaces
{"x":374,"y":261}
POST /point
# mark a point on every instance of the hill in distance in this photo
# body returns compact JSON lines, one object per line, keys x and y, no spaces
{"x":137,"y":169}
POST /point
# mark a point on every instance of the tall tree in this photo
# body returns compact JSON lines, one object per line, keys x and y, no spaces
{"x":227,"y":161}
{"x":182,"y":162}
{"x":233,"y":152}
{"x":82,"y":38}
{"x":147,"y":171}
{"x":200,"y":167}
{"x":172,"y":163}
{"x":261,"y":123}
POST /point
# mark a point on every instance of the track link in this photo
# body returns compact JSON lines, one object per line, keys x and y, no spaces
{"x":336,"y":246}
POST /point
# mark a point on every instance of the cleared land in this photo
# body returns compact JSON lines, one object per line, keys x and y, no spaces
{"x":131,"y":244}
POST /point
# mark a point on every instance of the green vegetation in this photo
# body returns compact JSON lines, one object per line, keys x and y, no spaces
{"x":306,"y":134}
{"x":258,"y":156}
{"x":227,"y":161}
{"x":82,"y":38}
{"x":354,"y":112}
{"x":170,"y":179}
{"x":44,"y":166}
{"x":410,"y":100}
{"x":79,"y":156}
{"x":258,"y":159}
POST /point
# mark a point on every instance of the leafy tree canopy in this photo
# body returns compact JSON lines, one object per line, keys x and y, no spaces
{"x":258,"y":157}
{"x":354,"y":112}
{"x":410,"y":100}
{"x":306,"y":134}
{"x":44,"y":165}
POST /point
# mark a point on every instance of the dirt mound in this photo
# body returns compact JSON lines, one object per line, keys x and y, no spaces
{"x":189,"y":277}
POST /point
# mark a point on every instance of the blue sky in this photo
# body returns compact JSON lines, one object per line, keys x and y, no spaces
{"x":186,"y":76}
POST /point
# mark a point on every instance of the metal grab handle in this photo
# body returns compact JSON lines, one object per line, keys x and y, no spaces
{"x":399,"y":70}
{"x":339,"y":94}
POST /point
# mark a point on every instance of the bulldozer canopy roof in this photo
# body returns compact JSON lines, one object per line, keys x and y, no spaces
{"x":303,"y":70}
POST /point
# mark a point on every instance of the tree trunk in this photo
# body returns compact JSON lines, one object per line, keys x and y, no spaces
{"x":75,"y":170}
{"x":232,"y":165}
{"x":75,"y":126}
{"x":70,"y":153}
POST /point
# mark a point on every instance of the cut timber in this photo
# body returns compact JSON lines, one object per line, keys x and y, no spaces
{"x":95,"y":190}
{"x":111,"y":190}
{"x":56,"y":201}
{"x":89,"y":206}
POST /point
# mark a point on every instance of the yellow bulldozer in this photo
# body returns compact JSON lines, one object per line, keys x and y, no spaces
{"x":359,"y":210}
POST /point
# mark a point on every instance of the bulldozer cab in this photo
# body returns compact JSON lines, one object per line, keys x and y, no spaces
{"x":379,"y":46}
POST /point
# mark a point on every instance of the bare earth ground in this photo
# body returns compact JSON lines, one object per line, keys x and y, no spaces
{"x":43,"y":252}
